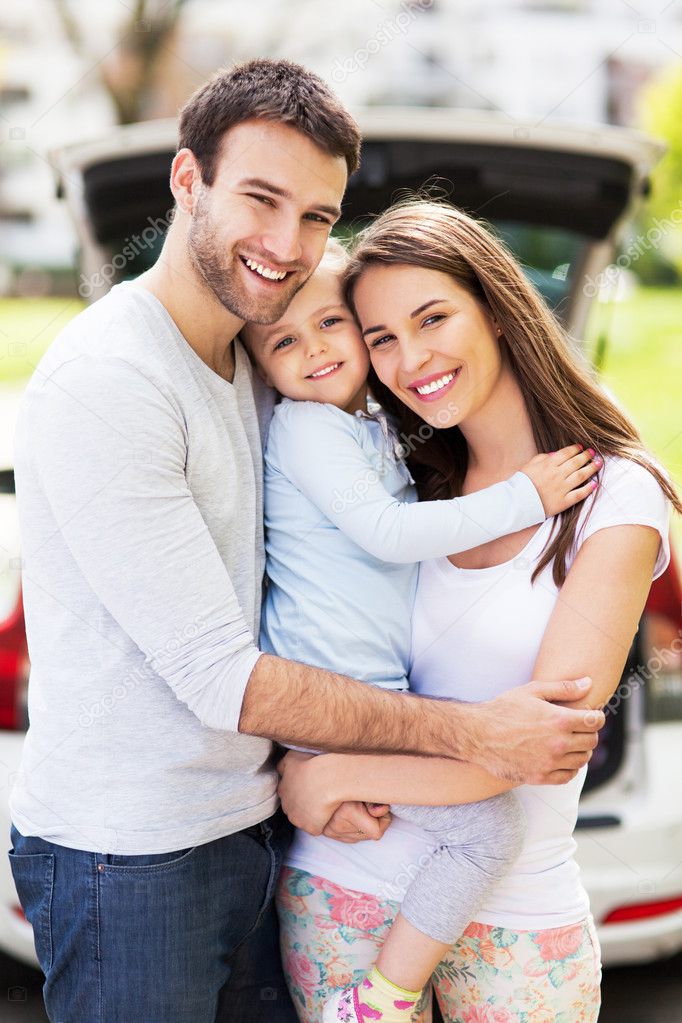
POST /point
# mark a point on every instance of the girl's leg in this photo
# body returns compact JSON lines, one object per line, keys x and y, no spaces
{"x":330,"y":938}
{"x":474,"y":845}
{"x":492,"y":973}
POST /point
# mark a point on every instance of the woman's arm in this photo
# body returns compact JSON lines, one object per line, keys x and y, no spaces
{"x":312,"y":788}
{"x":590,"y":632}
{"x":598,"y":609}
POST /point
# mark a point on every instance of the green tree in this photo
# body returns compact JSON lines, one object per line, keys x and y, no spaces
{"x":661,"y":114}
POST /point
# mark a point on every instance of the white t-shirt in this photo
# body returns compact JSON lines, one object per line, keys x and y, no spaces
{"x":477,"y":633}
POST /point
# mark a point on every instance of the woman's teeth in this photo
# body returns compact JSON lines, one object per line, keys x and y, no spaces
{"x":435,"y":385}
{"x":325,"y":371}
{"x":265,"y":271}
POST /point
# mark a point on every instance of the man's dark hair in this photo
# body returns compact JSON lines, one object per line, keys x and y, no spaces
{"x":276,"y":90}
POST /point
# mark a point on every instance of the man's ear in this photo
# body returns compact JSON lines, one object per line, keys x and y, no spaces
{"x":185,"y":180}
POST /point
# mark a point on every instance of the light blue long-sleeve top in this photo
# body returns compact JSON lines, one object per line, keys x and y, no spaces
{"x":344,"y":535}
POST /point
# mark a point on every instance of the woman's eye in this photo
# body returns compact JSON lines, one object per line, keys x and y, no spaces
{"x":261,"y":198}
{"x":433,"y":319}
{"x":284,"y":343}
{"x":330,"y":321}
{"x":381,"y":341}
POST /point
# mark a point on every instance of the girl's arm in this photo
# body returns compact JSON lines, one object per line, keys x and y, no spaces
{"x":316,"y":448}
{"x":590,"y":632}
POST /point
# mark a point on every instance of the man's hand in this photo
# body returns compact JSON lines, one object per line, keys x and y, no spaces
{"x":522,"y":736}
{"x":358,"y":822}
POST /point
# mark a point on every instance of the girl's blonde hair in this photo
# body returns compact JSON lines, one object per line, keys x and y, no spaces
{"x":564,"y":401}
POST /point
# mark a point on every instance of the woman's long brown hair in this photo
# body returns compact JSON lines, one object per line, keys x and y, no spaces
{"x":565,"y":403}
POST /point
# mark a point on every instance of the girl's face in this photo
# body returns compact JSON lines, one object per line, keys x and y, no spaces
{"x":430,"y":342}
{"x":315,"y":352}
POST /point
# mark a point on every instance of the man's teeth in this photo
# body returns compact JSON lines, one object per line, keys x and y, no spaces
{"x":435,"y":385}
{"x":265,"y":271}
{"x":323,"y":372}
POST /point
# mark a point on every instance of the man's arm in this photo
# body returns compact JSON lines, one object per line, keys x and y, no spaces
{"x":519,"y":736}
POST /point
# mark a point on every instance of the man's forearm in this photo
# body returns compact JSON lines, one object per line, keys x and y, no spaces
{"x":303,"y":706}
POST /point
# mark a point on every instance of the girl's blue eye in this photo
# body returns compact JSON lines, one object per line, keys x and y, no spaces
{"x":330,"y":321}
{"x":284,"y":343}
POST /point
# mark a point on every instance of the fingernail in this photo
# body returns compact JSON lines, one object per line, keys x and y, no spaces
{"x":580,"y":447}
{"x":584,"y":683}
{"x":591,"y":452}
{"x":595,"y":484}
{"x":599,"y":461}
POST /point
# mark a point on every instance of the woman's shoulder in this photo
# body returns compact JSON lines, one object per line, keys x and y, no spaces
{"x":628,"y":494}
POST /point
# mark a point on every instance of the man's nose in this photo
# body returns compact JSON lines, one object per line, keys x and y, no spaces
{"x":284,"y":241}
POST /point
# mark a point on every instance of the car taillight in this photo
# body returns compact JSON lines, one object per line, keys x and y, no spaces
{"x":13,"y":670}
{"x":642,"y":911}
{"x":661,"y":648}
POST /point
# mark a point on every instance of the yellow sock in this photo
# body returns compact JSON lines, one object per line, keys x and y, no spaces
{"x":396,"y":1004}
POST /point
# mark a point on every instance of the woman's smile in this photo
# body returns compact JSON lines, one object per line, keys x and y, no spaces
{"x":434,"y":387}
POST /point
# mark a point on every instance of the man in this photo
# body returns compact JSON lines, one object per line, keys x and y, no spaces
{"x":147,"y":840}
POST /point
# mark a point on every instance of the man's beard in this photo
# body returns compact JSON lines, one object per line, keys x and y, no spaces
{"x":220,"y":272}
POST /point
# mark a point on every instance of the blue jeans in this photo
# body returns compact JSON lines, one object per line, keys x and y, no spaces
{"x":184,"y":937}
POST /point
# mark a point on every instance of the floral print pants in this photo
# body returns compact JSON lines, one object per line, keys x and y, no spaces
{"x":332,"y":935}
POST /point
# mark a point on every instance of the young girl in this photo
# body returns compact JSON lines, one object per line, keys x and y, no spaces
{"x":344,"y":535}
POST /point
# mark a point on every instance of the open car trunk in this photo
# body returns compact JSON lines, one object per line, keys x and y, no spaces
{"x":558,"y":195}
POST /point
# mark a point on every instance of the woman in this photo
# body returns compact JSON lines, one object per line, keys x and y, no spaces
{"x":479,"y":377}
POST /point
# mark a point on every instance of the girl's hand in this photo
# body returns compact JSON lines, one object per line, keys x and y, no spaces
{"x":564,"y":478}
{"x":358,"y":822}
{"x":307,"y":798}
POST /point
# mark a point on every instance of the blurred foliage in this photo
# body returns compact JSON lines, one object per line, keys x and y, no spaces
{"x":660,"y":112}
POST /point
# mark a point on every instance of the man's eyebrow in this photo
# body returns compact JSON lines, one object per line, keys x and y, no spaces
{"x":416,"y":312}
{"x":268,"y":186}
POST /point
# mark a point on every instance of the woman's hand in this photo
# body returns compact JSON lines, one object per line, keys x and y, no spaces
{"x":307,"y":797}
{"x":358,"y":822}
{"x":311,"y":802}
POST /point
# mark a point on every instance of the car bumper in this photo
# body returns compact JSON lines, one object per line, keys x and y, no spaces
{"x":637,"y":861}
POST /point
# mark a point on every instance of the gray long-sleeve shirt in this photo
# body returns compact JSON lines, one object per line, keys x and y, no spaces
{"x":139,"y":494}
